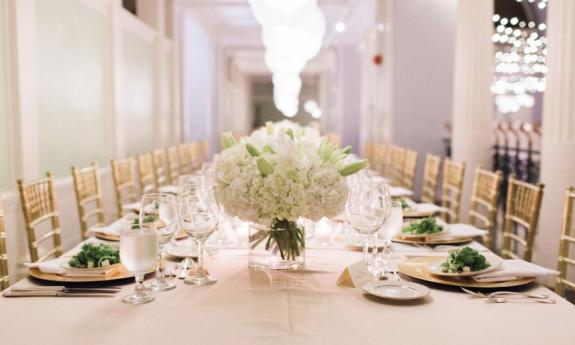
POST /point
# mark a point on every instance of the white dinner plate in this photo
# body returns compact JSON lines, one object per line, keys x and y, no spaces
{"x":435,"y":267}
{"x":396,"y":290}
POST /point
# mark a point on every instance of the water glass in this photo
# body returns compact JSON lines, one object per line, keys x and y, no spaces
{"x":159,"y":213}
{"x":138,"y":252}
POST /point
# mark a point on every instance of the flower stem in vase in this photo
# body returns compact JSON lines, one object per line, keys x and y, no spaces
{"x":286,"y":237}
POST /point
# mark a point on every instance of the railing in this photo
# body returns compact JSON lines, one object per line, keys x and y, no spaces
{"x":517,"y":151}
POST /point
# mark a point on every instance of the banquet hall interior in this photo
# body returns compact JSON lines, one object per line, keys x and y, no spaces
{"x":273,"y":128}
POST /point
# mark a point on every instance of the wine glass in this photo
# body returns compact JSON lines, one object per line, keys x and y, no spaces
{"x":367,"y":210}
{"x":388,"y":231}
{"x":199,"y":215}
{"x":138,"y":252}
{"x":159,"y":213}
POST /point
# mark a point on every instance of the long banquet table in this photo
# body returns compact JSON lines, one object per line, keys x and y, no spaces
{"x":249,"y":306}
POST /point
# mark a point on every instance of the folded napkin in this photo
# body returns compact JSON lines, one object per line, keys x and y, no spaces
{"x":115,"y":227}
{"x":134,"y":207}
{"x":380,"y":179}
{"x":514,"y":269}
{"x":51,"y":266}
{"x":169,"y":189}
{"x":464,"y":230}
{"x":422,"y":207}
{"x":399,"y":191}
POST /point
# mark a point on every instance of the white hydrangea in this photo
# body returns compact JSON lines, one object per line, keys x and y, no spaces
{"x":301,"y":182}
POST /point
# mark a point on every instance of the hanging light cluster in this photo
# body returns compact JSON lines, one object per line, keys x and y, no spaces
{"x":520,"y":62}
{"x":292,"y":34}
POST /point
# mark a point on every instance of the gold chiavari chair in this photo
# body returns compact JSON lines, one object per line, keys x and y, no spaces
{"x":88,"y":197}
{"x":38,"y":201}
{"x":451,"y":190}
{"x":368,"y":152}
{"x":567,"y":238}
{"x":521,"y":217}
{"x":146,"y":173}
{"x":200,"y":153}
{"x":409,"y":169}
{"x":483,"y":207}
{"x":4,"y":277}
{"x":124,"y":182}
{"x":430,"y":178}
{"x":185,"y":159}
{"x":159,"y":160}
{"x":395,"y":166}
{"x":173,"y":164}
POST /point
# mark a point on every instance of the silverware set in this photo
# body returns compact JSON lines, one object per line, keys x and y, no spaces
{"x":180,"y":270}
{"x":62,"y":291}
{"x":511,"y":296}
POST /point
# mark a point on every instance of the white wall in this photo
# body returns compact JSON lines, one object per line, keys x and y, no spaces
{"x":350,"y":95}
{"x":423,"y":47}
{"x":83,"y":82}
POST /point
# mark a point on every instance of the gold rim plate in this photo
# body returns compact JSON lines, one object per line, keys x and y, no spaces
{"x":430,"y":240}
{"x":417,"y":268}
{"x":116,"y":238}
{"x":121,"y":273}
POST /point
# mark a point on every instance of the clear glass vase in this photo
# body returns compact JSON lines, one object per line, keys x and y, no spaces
{"x":280,"y":246}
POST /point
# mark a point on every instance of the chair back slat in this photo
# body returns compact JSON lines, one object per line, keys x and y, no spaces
{"x":38,"y":200}
{"x":173,"y":164}
{"x":484,"y":197}
{"x":159,"y":160}
{"x":4,"y":277}
{"x":409,"y":169}
{"x":521,"y":216}
{"x":395,"y":167}
{"x":146,"y":173}
{"x":124,"y":182}
{"x":430,"y":178}
{"x":567,"y":239}
{"x":451,"y":189}
{"x":89,"y":199}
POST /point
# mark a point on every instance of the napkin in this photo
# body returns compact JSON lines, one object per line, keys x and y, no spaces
{"x":399,"y":191}
{"x":132,"y":207}
{"x":423,"y":207}
{"x":114,"y":228}
{"x":514,"y":269}
{"x":50,"y":266}
{"x":169,"y":189}
{"x":464,"y":230}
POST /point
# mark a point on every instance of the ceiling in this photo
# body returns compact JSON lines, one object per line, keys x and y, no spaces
{"x":232,"y":25}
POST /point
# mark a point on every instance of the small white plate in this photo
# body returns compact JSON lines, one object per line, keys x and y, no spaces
{"x":396,"y":290}
{"x":435,"y":267}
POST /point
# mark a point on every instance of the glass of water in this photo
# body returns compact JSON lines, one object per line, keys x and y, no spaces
{"x":159,"y":213}
{"x":388,"y":231}
{"x":138,"y":252}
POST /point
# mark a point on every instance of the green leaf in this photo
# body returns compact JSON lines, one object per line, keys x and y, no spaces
{"x":267,"y":148}
{"x":289,"y":132}
{"x":264,"y":166}
{"x":228,"y":140}
{"x":270,"y":127}
{"x":252,"y":150}
{"x":346,"y":150}
{"x":354,"y":167}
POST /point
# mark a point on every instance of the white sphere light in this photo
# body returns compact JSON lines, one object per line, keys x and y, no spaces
{"x":292,"y":33}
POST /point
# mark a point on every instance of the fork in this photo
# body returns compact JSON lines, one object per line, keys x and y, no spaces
{"x":509,"y":294}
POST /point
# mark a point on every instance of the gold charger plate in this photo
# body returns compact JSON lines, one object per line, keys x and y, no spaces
{"x":417,"y":268}
{"x":121,"y":273}
{"x":430,"y":240}
{"x":116,"y":238}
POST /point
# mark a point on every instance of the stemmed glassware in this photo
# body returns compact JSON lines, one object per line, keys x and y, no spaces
{"x":367,"y":210}
{"x":199,"y":215}
{"x":391,"y":228}
{"x":138,"y":252}
{"x":159,"y":213}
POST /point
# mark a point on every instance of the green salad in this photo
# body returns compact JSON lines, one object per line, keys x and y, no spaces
{"x":147,"y":219}
{"x":425,"y":226}
{"x":465,"y":259}
{"x":95,"y":256}
{"x":404,"y":204}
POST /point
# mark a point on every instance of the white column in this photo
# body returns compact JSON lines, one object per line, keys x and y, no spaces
{"x":558,"y":138}
{"x":114,"y":77}
{"x":22,"y":86}
{"x":472,"y":100}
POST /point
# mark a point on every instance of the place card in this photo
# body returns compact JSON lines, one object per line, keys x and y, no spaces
{"x":354,"y":275}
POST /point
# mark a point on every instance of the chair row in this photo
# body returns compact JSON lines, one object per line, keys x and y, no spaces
{"x":522,"y":205}
{"x":38,"y":198}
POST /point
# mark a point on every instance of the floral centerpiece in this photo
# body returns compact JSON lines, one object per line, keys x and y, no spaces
{"x":277,"y":175}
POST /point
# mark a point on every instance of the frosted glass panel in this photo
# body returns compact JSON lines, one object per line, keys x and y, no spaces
{"x":137,"y":100}
{"x":5,"y":158}
{"x":73,"y":124}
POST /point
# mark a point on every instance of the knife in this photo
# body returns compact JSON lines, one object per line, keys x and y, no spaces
{"x":48,"y":293}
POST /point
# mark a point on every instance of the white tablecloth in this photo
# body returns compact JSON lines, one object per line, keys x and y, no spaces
{"x":251,"y":307}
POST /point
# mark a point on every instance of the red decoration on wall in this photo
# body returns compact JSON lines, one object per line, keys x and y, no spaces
{"x":377,"y":59}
